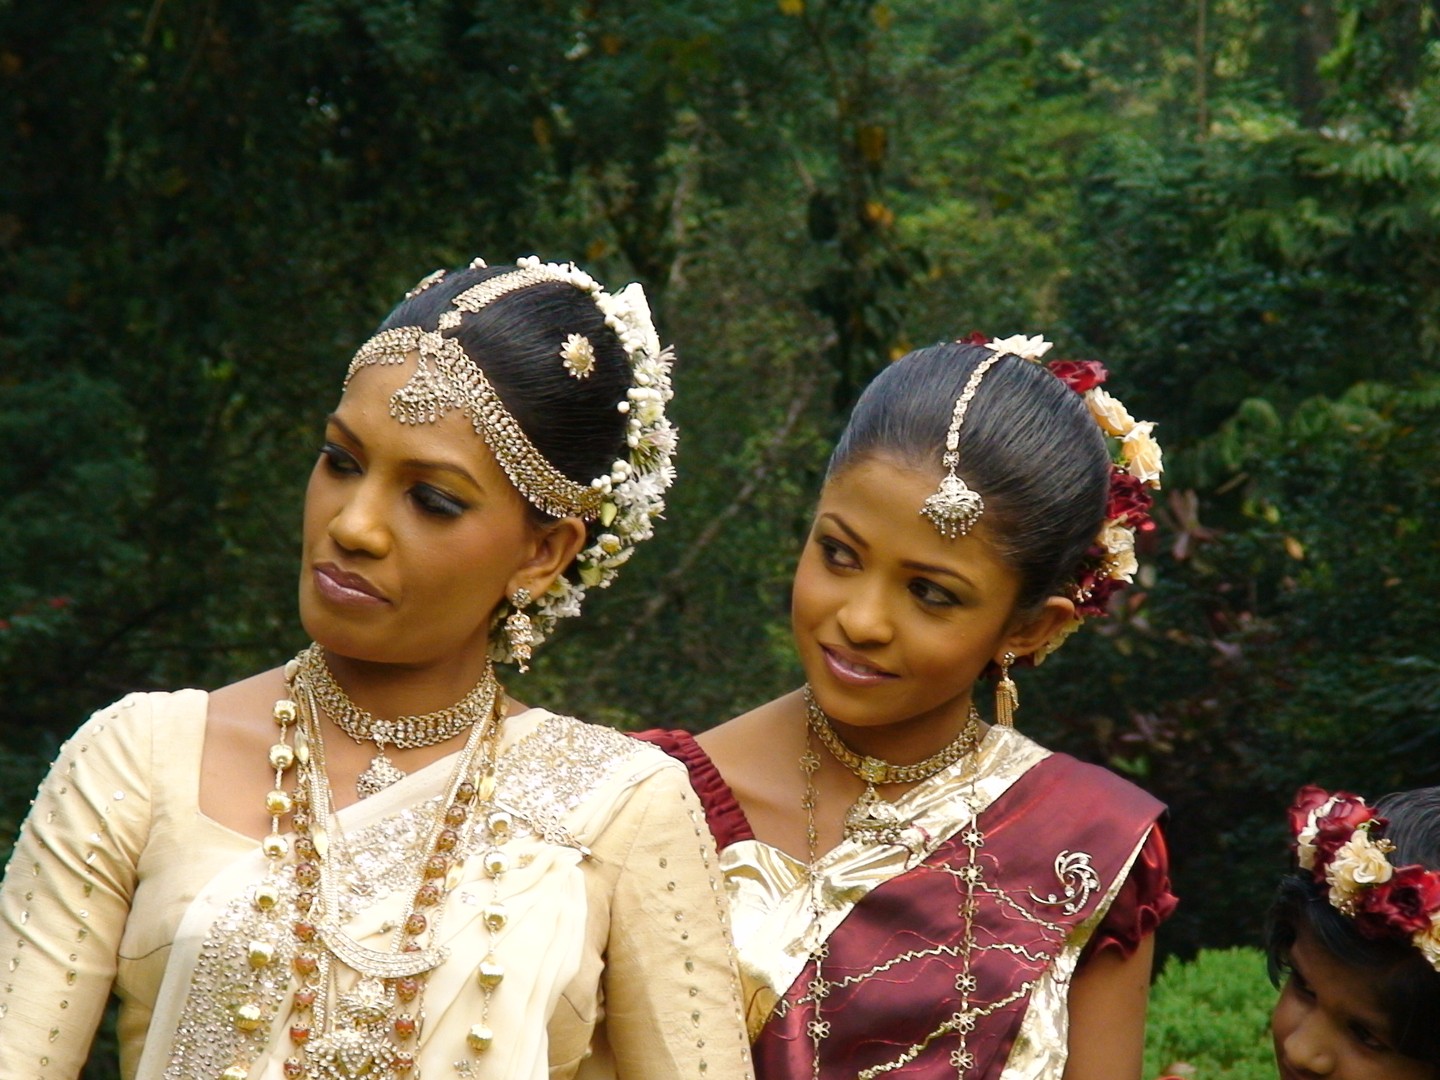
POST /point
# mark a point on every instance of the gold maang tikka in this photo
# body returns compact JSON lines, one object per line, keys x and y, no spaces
{"x":956,"y":506}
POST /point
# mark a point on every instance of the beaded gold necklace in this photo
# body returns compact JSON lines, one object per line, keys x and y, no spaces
{"x":372,"y":1029}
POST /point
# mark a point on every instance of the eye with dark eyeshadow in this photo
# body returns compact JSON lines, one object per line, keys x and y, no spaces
{"x":339,"y":460}
{"x":837,"y":554}
{"x":434,"y":501}
{"x":933,"y":595}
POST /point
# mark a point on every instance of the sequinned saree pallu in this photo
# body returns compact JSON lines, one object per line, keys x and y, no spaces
{"x":951,"y":954}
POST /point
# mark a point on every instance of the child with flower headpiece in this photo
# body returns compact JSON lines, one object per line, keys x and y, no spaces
{"x":1355,"y":934}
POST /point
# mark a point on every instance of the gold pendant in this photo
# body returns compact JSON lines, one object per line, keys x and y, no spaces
{"x":362,"y":1049}
{"x":350,"y":1053}
{"x":874,"y":819}
{"x":378,"y":775}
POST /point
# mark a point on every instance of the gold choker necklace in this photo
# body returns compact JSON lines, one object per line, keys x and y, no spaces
{"x":404,"y":732}
{"x":872,"y":817}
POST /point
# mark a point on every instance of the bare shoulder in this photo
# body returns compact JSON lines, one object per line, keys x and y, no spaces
{"x":758,"y":754}
{"x":238,"y":708}
{"x":749,"y":735}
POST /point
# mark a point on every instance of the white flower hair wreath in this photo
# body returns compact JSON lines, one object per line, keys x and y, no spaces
{"x":633,"y":492}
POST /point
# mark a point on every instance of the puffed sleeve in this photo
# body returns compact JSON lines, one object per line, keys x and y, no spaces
{"x":1142,"y":904}
{"x":67,"y":890}
{"x":672,"y":996}
{"x":727,"y":821}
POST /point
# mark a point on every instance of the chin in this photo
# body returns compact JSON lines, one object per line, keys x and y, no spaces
{"x":853,"y":706}
{"x":341,"y":638}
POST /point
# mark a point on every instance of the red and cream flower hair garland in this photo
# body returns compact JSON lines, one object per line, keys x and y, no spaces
{"x":1341,"y":841}
{"x":1136,"y":467}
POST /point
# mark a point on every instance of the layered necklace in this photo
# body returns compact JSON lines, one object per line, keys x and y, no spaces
{"x":404,"y":732}
{"x":873,"y":818}
{"x":878,"y":821}
{"x":371,"y":1029}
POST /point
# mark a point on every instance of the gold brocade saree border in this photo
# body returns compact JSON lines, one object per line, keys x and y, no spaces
{"x":1041,"y":1046}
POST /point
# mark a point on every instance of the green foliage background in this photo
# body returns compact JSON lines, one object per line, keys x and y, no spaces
{"x":1233,"y":203}
{"x":1212,"y":1014}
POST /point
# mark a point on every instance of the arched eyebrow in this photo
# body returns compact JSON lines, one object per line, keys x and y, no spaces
{"x":414,"y":463}
{"x":919,"y":567}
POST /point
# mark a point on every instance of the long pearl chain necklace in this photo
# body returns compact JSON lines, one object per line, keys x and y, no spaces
{"x":372,"y":1029}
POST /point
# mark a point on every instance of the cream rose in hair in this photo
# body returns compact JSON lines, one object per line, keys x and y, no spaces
{"x":1142,"y":453}
{"x":1357,"y":864}
{"x":1119,"y":544}
{"x":1025,"y":347}
{"x":1428,"y":942}
{"x":1110,"y":414}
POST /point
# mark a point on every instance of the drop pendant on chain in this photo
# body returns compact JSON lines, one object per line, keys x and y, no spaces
{"x":378,"y":775}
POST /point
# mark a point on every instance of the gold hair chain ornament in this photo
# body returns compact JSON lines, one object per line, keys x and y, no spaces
{"x":1136,"y":465}
{"x":620,"y":505}
{"x":447,"y":379}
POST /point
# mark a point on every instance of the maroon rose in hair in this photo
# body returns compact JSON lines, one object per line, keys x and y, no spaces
{"x":1308,"y":798}
{"x":1094,"y":589}
{"x":1079,"y":375}
{"x":1335,"y":827}
{"x":1401,"y":905}
{"x":1130,"y":499}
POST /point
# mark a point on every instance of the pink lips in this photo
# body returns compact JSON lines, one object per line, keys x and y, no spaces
{"x":850,"y":669}
{"x":342,"y":587}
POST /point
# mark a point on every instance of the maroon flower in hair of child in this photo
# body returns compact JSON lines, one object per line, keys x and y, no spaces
{"x":1342,"y":843}
{"x":1404,"y":904}
{"x":1323,"y":822}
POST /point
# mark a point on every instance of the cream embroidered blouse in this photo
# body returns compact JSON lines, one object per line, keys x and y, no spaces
{"x":616,"y":956}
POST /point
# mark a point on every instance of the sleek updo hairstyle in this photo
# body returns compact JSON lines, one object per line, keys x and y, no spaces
{"x":1408,"y":988}
{"x":516,"y":341}
{"x":1028,"y":445}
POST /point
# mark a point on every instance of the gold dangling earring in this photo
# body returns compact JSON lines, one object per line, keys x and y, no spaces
{"x":1007,"y":697}
{"x":519,"y":632}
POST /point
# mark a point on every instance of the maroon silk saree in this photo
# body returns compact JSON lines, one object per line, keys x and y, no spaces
{"x":950,"y":955}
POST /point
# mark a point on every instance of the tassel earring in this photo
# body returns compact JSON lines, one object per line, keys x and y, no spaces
{"x":519,"y":633}
{"x":1007,"y":697}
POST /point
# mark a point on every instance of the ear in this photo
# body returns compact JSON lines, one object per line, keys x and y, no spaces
{"x":1025,"y":637}
{"x":554,"y":548}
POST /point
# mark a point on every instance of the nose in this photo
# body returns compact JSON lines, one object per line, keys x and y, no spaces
{"x":1308,"y":1046}
{"x":359,"y":525}
{"x":864,"y":617}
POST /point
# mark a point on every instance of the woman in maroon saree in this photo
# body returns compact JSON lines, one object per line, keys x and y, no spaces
{"x":913,"y":891}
